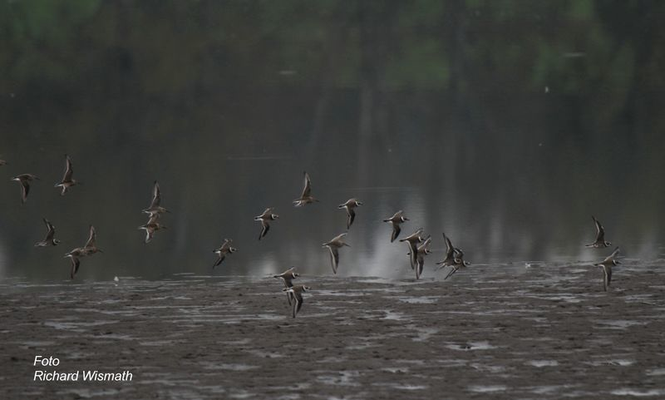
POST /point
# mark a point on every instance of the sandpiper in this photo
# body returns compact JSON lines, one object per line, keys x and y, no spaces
{"x":89,"y":249}
{"x":24,"y":180}
{"x":265,"y":219}
{"x":412,"y":241}
{"x":155,"y":207}
{"x":49,"y":240}
{"x":450,"y":254}
{"x":458,"y":262}
{"x":422,"y":251}
{"x":600,"y":236}
{"x":607,"y":265}
{"x":223,"y":250}
{"x":295,"y":297}
{"x":287,"y":277}
{"x":152,"y":226}
{"x":67,"y":180}
{"x":395,"y":221}
{"x":334,"y":245}
{"x":350,"y":212}
{"x":306,"y":196}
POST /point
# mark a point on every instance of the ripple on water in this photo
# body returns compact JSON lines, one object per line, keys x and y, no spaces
{"x":471,"y":346}
{"x":638,"y":393}
{"x":487,"y":388}
{"x":543,"y":363}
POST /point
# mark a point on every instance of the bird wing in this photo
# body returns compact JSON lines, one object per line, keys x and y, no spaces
{"x":68,"y":169}
{"x":92,"y":238}
{"x":610,"y":258}
{"x":308,"y":186}
{"x":334,"y":258}
{"x":50,"y":231}
{"x":25,"y":189}
{"x":265,"y":227}
{"x":219,"y":260}
{"x":396,"y":231}
{"x":156,"y":196}
{"x":75,"y":266}
{"x":351,"y":217}
{"x":600,"y":231}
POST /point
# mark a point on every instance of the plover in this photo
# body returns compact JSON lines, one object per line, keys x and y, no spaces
{"x":287,"y":277}
{"x":265,"y":219}
{"x":450,"y":253}
{"x":395,"y":221}
{"x":413,"y":240}
{"x":607,"y":265}
{"x":333,"y":246}
{"x":422,"y":251}
{"x":295,"y":296}
{"x":50,"y":239}
{"x":155,"y":207}
{"x":306,"y":196}
{"x":152,"y":226}
{"x":458,"y":263}
{"x":79,"y":252}
{"x":223,"y":250}
{"x":600,"y":236}
{"x":24,"y":180}
{"x":67,"y":180}
{"x":350,"y":212}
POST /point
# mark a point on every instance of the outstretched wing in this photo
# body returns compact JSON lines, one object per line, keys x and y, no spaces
{"x":351,"y":217}
{"x":75,"y":266}
{"x":25,"y":189}
{"x":156,"y":196}
{"x":396,"y":231}
{"x":308,"y":186}
{"x":265,"y":227}
{"x":50,"y":231}
{"x":600,"y":231}
{"x":334,"y":258}
{"x":68,"y":169}
{"x":92,"y":238}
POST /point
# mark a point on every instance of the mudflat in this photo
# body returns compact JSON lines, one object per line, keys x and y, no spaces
{"x":502,"y":332}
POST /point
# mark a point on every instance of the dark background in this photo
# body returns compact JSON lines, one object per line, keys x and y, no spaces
{"x":504,"y":123}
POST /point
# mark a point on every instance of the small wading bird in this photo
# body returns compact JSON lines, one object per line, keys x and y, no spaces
{"x":350,"y":212}
{"x":67,"y":180}
{"x":449,"y":261}
{"x":265,"y":219}
{"x":397,"y":219}
{"x":607,"y":265}
{"x":151,"y":227}
{"x":222,"y":251}
{"x":333,"y":246}
{"x":49,"y":240}
{"x":458,"y":262}
{"x":600,"y":236}
{"x":413,"y":240}
{"x":90,"y":248}
{"x":287,"y":277}
{"x":155,"y":207}
{"x":295,"y":297}
{"x":422,"y":251}
{"x":306,"y":196}
{"x":24,"y":180}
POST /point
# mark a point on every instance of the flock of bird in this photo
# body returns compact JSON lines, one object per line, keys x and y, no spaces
{"x":418,"y":245}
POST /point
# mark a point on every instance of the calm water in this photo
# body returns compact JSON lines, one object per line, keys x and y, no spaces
{"x":506,"y":126}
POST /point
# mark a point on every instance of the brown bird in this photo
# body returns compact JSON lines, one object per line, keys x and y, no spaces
{"x":306,"y":196}
{"x":223,"y":250}
{"x":24,"y":180}
{"x":600,"y":236}
{"x":49,"y":240}
{"x":450,"y":254}
{"x":89,"y":248}
{"x":287,"y":277}
{"x":333,"y":246}
{"x":396,"y":220}
{"x":607,"y":265}
{"x":350,"y":205}
{"x":458,"y":263}
{"x":295,"y":297}
{"x":422,"y":251}
{"x":67,"y":180}
{"x":155,"y":207}
{"x":152,"y":226}
{"x":265,"y":219}
{"x":413,"y":240}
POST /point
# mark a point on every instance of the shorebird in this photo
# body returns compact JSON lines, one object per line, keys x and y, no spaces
{"x":49,"y":240}
{"x":458,"y":262}
{"x":395,"y":221}
{"x":600,"y":236}
{"x":223,"y":250}
{"x":306,"y":196}
{"x":412,"y":241}
{"x":295,"y":297}
{"x":422,"y":251}
{"x":24,"y":180}
{"x":607,"y":265}
{"x":449,"y":261}
{"x":334,"y":245}
{"x":67,"y":180}
{"x":287,"y":277}
{"x":350,"y":212}
{"x":265,"y":219}
{"x":152,"y":226}
{"x":89,"y":248}
{"x":155,"y":207}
